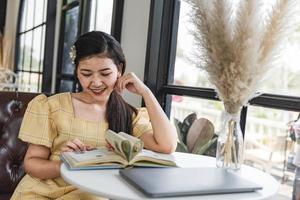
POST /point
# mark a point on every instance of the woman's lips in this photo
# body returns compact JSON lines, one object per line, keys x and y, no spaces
{"x":98,"y":91}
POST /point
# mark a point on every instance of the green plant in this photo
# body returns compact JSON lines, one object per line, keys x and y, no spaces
{"x":196,"y":135}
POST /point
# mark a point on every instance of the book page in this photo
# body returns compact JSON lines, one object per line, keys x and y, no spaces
{"x":115,"y":141}
{"x":147,"y":157}
{"x":124,"y":144}
{"x":100,"y":156}
{"x":136,"y":145}
{"x":81,"y":156}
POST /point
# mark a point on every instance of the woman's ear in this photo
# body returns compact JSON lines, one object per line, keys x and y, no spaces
{"x":120,"y":68}
{"x":119,"y":74}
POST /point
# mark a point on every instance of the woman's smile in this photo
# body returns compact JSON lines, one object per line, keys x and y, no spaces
{"x":98,"y":76}
{"x":98,"y":91}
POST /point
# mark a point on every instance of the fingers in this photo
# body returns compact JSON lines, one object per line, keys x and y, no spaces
{"x":66,"y":149}
{"x":125,"y":82}
{"x":128,"y":81}
{"x":122,"y":82}
{"x":76,"y":145}
{"x":109,"y":146}
{"x":89,"y":147}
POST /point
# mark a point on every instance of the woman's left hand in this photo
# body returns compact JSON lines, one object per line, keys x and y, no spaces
{"x":132,"y":83}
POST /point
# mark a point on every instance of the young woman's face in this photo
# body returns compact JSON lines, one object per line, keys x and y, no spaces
{"x":97,"y":76}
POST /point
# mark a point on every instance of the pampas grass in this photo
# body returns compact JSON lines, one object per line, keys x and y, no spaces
{"x":237,"y":48}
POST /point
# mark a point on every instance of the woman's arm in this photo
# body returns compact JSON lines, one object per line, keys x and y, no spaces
{"x":37,"y":163}
{"x":164,"y":137}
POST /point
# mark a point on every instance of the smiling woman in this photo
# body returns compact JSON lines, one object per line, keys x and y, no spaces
{"x":99,"y":62}
{"x":79,"y":121}
{"x":97,"y":76}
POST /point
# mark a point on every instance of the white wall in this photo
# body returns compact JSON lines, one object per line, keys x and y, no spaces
{"x":134,"y":40}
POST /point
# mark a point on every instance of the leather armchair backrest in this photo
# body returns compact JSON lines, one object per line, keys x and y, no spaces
{"x":12,"y":150}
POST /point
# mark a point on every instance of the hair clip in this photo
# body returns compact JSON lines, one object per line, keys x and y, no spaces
{"x":73,"y":54}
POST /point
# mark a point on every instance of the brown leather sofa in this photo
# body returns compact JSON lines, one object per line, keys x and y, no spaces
{"x":12,"y":150}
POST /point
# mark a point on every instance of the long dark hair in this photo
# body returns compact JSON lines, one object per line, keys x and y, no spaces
{"x":118,"y":112}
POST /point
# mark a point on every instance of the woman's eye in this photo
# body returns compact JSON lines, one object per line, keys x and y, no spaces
{"x":106,"y":74}
{"x":86,"y":75}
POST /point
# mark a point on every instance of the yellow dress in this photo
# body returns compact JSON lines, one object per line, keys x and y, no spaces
{"x":50,"y":121}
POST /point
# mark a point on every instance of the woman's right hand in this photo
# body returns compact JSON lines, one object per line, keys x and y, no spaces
{"x":76,"y":145}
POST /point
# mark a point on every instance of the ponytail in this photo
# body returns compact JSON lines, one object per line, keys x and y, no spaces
{"x":119,"y":114}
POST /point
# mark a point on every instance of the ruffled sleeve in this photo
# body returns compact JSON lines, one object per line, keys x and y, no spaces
{"x":141,"y":123}
{"x":37,"y":126}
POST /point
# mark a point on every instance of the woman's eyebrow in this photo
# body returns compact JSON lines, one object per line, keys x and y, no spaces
{"x":105,"y":69}
{"x":101,"y":70}
{"x":85,"y":70}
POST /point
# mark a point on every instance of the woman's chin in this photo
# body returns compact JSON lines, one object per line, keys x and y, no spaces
{"x":99,"y":96}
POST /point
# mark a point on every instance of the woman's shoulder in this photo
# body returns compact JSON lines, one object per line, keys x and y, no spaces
{"x":50,"y":103}
{"x":60,"y":101}
{"x":142,"y":113}
{"x":142,"y":110}
{"x":59,"y":97}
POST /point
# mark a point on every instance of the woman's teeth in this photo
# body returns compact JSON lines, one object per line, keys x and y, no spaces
{"x":98,"y":91}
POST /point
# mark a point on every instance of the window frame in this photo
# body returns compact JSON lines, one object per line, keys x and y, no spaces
{"x":59,"y":74}
{"x":83,"y":26}
{"x":46,"y":73}
{"x":160,"y":60}
{"x":3,"y":5}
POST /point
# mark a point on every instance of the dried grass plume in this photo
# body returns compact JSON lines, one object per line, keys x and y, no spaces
{"x":235,"y":47}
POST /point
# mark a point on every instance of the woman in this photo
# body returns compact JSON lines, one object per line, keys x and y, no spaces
{"x":78,"y":121}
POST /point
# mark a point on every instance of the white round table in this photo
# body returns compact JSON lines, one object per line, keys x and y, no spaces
{"x":109,"y":184}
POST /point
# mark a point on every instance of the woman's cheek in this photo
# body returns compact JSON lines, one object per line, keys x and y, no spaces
{"x":113,"y":82}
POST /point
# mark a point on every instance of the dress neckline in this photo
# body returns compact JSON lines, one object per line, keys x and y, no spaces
{"x":80,"y":119}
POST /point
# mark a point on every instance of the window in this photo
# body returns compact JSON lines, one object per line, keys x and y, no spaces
{"x":106,"y":16}
{"x":68,"y":32}
{"x":79,"y":17}
{"x":36,"y":21}
{"x":182,"y":88}
{"x":169,"y":43}
{"x":101,"y":15}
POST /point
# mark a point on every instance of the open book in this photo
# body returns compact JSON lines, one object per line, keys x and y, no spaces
{"x":128,"y":151}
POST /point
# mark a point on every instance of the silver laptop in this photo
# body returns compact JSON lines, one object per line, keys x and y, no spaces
{"x":173,"y":181}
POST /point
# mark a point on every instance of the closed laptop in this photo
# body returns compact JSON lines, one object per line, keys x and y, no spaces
{"x":173,"y":181}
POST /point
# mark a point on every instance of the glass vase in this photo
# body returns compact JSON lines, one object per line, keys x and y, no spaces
{"x":230,"y":144}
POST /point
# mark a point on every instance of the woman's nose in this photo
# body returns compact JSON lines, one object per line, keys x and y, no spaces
{"x":97,"y":82}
